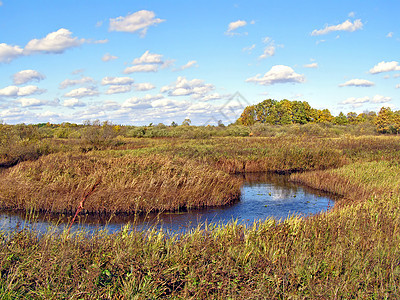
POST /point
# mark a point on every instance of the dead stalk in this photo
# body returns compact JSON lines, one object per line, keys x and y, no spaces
{"x":85,"y":196}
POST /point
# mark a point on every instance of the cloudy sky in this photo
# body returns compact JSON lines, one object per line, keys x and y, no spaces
{"x":141,"y":62}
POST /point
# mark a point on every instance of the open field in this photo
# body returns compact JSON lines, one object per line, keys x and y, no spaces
{"x":350,"y":252}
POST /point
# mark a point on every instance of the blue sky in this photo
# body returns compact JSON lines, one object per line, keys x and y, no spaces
{"x":141,"y":62}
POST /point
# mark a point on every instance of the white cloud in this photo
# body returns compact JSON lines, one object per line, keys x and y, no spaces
{"x":108,"y":57}
{"x":117,"y":89}
{"x":15,"y":91}
{"x":345,"y":26}
{"x":183,"y":87}
{"x":105,"y":41}
{"x":398,"y":86}
{"x":384,"y":66}
{"x":380,"y":99}
{"x":54,"y":42}
{"x":148,"y":62}
{"x":268,"y":51}
{"x":249,"y":48}
{"x":117,"y":81}
{"x":389,"y":35}
{"x":82,"y":92}
{"x":351,"y":14}
{"x":71,"y":82}
{"x":235,"y":25}
{"x":141,"y":68}
{"x":358,"y":82}
{"x":8,"y":53}
{"x":356,"y":101}
{"x":25,"y":76}
{"x":313,"y":65}
{"x":266,"y":40}
{"x":145,"y":86}
{"x":214,"y":96}
{"x":188,"y":65}
{"x":141,"y":103}
{"x":148,"y":58}
{"x":31,"y":102}
{"x":277,"y":74}
{"x":139,"y":21}
{"x":73,"y":102}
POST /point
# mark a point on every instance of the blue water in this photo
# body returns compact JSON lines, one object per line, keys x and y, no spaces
{"x":262,"y":196}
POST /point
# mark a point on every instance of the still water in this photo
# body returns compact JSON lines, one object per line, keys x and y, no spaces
{"x":262,"y":196}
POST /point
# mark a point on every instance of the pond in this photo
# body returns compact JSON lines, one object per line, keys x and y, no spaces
{"x":263,"y":196}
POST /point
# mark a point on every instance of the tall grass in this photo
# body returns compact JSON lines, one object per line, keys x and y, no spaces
{"x":130,"y":183}
{"x":351,"y":252}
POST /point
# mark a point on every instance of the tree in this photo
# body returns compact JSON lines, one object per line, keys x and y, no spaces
{"x":186,"y":122}
{"x":341,"y":119}
{"x":387,"y":121}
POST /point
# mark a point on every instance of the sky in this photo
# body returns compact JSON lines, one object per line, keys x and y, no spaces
{"x":142,"y":62}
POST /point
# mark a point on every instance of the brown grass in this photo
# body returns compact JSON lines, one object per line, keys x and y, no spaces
{"x":129,"y":184}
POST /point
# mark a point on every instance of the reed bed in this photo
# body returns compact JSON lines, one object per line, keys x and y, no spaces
{"x":130,"y":183}
{"x":143,"y":175}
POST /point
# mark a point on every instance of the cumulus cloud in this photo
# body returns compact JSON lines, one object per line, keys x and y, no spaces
{"x":73,"y":102}
{"x":141,"y":103}
{"x":144,"y":86}
{"x":357,"y":102}
{"x":15,"y":91}
{"x":148,"y":62}
{"x":148,"y":58}
{"x":345,"y":26}
{"x":8,"y":53}
{"x":268,"y":51}
{"x":389,"y":35}
{"x":358,"y":82}
{"x":380,"y":99}
{"x":141,"y":68}
{"x":108,"y":57}
{"x":119,"y":88}
{"x":117,"y":81}
{"x":138,"y":22}
{"x":82,"y":92}
{"x":313,"y":65}
{"x":183,"y":87}
{"x":277,"y":74}
{"x":72,"y":82}
{"x":235,"y":25}
{"x":25,"y":76}
{"x":31,"y":102}
{"x":384,"y":66}
{"x":54,"y":42}
{"x":188,"y":65}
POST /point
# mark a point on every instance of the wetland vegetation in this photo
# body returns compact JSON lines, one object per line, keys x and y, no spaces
{"x":351,"y":251}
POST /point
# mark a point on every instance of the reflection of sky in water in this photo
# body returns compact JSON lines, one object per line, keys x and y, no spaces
{"x":263,"y":196}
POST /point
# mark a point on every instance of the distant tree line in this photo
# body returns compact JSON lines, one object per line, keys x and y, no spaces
{"x":287,"y":112}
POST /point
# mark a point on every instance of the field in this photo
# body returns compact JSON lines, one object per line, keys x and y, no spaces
{"x":350,"y":252}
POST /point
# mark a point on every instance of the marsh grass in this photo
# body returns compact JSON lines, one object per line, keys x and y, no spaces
{"x":130,"y":184}
{"x":350,"y":252}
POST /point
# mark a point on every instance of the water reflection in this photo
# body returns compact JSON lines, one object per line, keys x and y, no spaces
{"x":263,"y":196}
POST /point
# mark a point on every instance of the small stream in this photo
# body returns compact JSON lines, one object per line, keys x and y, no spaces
{"x":263,"y":196}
